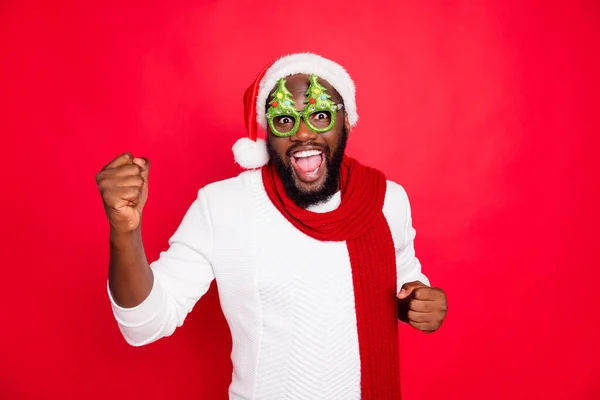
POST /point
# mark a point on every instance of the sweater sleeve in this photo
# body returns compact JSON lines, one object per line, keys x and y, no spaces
{"x":182,"y":275}
{"x":398,"y":213}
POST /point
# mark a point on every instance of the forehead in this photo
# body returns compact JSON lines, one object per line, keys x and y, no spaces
{"x":298,"y":85}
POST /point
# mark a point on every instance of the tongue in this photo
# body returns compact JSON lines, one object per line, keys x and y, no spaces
{"x":308,"y":164}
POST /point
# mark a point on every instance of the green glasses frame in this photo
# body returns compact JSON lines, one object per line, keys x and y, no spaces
{"x":317,"y":100}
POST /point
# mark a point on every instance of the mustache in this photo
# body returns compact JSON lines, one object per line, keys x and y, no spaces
{"x":325,"y":149}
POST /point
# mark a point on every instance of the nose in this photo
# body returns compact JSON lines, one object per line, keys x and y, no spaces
{"x":304,"y":134}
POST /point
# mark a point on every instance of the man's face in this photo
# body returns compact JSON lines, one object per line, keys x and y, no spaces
{"x":308,"y":162}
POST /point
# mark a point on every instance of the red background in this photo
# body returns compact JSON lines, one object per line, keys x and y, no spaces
{"x":487,"y":114}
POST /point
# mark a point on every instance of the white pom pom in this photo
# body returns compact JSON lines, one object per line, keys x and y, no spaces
{"x":250,"y":154}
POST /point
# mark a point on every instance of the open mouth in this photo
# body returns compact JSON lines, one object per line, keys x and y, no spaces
{"x":308,"y":164}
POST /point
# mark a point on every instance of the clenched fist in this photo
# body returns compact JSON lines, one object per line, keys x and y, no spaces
{"x":423,"y":307}
{"x":123,"y":185}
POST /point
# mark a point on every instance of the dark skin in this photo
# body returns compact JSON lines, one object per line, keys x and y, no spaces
{"x":419,"y":305}
{"x":123,"y":186}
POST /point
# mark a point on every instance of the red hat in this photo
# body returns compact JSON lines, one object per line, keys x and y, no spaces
{"x":251,"y":152}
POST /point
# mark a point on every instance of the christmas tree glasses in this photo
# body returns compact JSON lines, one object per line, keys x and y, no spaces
{"x":319,"y":112}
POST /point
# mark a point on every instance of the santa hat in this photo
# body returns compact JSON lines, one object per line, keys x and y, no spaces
{"x":251,"y":152}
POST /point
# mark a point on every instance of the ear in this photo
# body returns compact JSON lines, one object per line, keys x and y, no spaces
{"x":346,"y":123}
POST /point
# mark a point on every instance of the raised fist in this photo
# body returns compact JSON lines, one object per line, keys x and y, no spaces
{"x":123,"y":185}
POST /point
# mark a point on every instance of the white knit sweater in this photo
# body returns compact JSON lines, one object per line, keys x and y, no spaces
{"x":288,"y":298}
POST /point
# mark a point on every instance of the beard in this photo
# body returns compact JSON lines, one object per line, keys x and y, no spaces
{"x":330,"y":186}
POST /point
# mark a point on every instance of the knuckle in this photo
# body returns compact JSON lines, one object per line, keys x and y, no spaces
{"x":134,"y":191}
{"x":139,"y":181}
{"x":100,"y":176}
{"x":133,"y":170}
{"x":414,"y":316}
{"x":104,"y":184}
{"x":413,"y":303}
{"x":127,"y":169}
{"x":130,"y":169}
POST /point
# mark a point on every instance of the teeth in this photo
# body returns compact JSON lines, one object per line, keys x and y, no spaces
{"x":307,"y":153}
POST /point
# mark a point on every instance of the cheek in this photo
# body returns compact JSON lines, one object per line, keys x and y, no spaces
{"x":332,"y":139}
{"x":280,"y":145}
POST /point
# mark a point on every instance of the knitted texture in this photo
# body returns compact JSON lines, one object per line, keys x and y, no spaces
{"x":359,"y":220}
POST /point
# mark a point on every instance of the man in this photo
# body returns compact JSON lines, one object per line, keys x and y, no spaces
{"x":313,"y":252}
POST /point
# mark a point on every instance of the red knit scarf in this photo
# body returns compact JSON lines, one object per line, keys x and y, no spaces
{"x":359,"y":221}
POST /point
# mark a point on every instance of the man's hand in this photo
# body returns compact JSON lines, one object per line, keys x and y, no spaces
{"x":421,"y":306}
{"x":123,"y":185}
